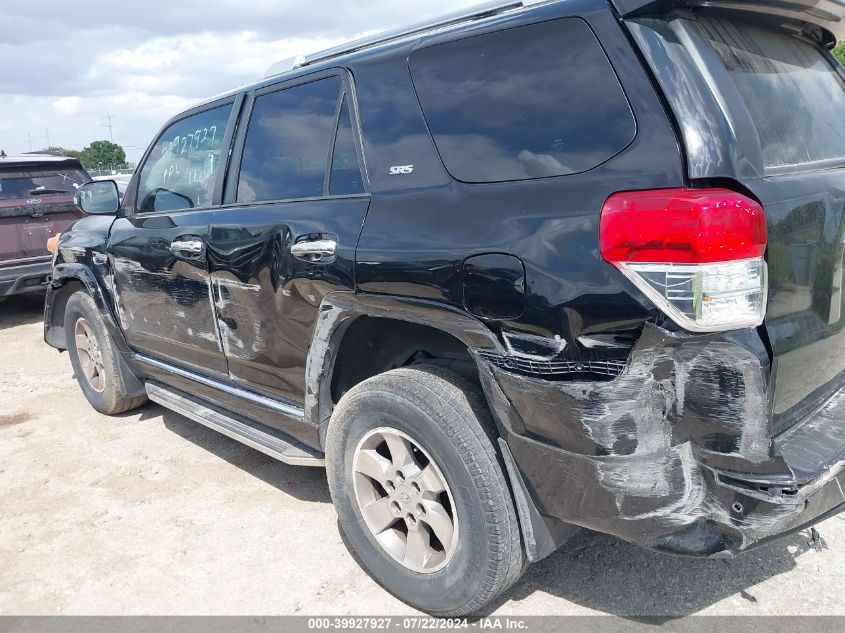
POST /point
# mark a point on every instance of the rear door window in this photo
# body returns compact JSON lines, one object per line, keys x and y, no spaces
{"x":527,"y":102}
{"x":794,"y":95}
{"x":287,"y":145}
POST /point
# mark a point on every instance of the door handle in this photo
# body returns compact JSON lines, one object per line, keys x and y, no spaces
{"x":183,"y":246}
{"x":314,"y":250}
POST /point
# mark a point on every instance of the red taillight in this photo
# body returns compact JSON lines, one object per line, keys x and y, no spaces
{"x":696,"y":253}
{"x":681,"y":226}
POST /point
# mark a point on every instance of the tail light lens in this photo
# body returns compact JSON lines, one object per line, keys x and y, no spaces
{"x":696,"y":253}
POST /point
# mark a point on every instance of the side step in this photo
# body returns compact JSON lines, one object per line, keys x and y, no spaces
{"x":263,"y":438}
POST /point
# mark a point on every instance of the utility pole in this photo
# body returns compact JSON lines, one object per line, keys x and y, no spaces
{"x":109,"y":125}
{"x":47,"y":136}
{"x":29,"y":140}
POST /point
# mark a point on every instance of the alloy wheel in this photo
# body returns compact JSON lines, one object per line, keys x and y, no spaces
{"x":405,"y":500}
{"x":90,"y":355}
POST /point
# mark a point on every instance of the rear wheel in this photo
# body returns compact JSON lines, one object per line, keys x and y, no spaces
{"x":92,"y":356}
{"x":419,"y":490}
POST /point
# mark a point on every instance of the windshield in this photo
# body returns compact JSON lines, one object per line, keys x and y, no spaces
{"x":26,"y":183}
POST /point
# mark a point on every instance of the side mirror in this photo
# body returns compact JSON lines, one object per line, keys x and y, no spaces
{"x":99,"y":197}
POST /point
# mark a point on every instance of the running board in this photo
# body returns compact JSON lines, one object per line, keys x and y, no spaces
{"x":262,"y":438}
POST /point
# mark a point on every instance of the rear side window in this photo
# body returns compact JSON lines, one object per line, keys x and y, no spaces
{"x":793,"y":93}
{"x":528,"y":102}
{"x":182,"y":168}
{"x":288,"y":141}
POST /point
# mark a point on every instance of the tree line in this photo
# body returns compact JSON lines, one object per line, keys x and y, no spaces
{"x":97,"y":155}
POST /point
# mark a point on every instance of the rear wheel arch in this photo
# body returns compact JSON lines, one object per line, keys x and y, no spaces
{"x":345,"y":319}
{"x":405,"y":331}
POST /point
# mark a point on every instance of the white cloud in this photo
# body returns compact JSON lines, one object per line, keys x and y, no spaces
{"x":126,"y":60}
{"x":67,"y":106}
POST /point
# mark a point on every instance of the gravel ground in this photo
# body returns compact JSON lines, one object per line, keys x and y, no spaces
{"x":150,"y":513}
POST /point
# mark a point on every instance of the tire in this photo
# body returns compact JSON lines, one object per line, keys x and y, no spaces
{"x":102,"y":386}
{"x":446,"y":421}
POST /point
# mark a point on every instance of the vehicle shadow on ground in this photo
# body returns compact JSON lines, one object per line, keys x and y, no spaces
{"x":21,"y":310}
{"x":612,"y":576}
{"x":302,"y":482}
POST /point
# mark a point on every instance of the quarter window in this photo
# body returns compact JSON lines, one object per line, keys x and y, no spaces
{"x":288,"y":141}
{"x":346,"y":172}
{"x":182,"y":168}
{"x":527,"y":102}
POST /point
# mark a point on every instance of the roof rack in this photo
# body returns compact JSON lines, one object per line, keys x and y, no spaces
{"x":477,"y":12}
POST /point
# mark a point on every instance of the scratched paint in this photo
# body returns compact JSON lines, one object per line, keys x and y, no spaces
{"x":169,"y":304}
{"x":645,"y":440}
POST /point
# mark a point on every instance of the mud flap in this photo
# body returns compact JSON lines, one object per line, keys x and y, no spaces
{"x":540,"y":536}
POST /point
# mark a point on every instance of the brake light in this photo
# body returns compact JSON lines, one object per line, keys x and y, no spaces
{"x":697,"y":253}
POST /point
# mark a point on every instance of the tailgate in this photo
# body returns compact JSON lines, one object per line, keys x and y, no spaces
{"x":24,"y":230}
{"x":761,"y":107}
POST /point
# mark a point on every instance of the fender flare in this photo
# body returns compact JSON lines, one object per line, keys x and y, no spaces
{"x":66,"y":272}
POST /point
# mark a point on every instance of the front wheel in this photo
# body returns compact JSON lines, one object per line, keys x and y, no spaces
{"x":420,"y":493}
{"x":92,"y":356}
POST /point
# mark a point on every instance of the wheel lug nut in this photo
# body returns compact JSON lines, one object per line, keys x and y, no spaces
{"x":416,"y":487}
{"x":400,"y":477}
{"x":411,"y":519}
{"x":420,"y":509}
{"x":395,"y":507}
{"x":391,"y":485}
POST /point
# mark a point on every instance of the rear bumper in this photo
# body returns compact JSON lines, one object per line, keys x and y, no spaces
{"x":24,"y":278}
{"x":675,"y":453}
{"x":708,"y":515}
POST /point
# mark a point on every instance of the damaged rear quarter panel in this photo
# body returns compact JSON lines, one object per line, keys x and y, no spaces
{"x":636,"y":456}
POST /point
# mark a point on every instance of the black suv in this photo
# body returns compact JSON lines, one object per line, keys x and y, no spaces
{"x":506,"y":274}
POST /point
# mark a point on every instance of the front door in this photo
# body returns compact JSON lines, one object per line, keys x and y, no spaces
{"x":157,"y":249}
{"x":288,"y":234}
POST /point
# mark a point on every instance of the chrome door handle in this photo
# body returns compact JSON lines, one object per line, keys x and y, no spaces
{"x":314,"y":250}
{"x":189,"y":247}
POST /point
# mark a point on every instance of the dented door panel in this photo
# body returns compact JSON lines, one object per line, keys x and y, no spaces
{"x":163,"y":296}
{"x":267,"y":299}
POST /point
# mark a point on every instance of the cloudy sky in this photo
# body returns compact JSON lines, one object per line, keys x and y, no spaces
{"x":67,"y":65}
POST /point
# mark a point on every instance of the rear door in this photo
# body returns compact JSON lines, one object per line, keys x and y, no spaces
{"x":286,"y":236}
{"x":762,"y":103}
{"x":157,"y":250}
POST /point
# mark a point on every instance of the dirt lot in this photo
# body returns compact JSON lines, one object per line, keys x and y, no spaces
{"x":150,"y":513}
